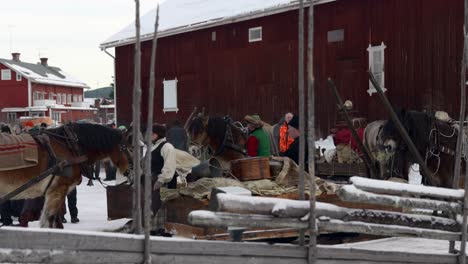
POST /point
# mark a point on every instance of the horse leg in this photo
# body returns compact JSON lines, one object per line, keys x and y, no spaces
{"x":54,"y":200}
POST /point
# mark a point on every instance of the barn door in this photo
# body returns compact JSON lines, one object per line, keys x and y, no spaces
{"x":350,"y":86}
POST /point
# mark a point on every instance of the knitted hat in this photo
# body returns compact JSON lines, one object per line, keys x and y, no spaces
{"x":254,"y":120}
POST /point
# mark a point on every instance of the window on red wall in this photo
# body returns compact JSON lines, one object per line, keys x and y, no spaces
{"x":64,"y":98}
{"x":69,"y":98}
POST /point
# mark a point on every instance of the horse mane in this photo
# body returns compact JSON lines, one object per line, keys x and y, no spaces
{"x":92,"y":137}
{"x":216,"y":128}
{"x":417,"y":124}
{"x":196,"y":126}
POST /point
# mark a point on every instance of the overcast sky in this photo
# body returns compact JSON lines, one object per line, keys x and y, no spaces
{"x":68,"y":32}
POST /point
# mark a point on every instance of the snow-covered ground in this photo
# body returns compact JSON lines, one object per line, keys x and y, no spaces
{"x":92,"y":209}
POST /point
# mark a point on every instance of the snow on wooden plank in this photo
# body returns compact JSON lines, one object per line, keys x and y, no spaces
{"x":389,"y":187}
{"x":275,"y":206}
{"x":351,"y":194}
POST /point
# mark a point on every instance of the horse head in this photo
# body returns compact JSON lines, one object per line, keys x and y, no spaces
{"x":197,"y":130}
{"x":99,"y":142}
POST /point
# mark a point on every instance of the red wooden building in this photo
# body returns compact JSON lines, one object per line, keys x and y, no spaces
{"x":242,"y":57}
{"x":40,"y":90}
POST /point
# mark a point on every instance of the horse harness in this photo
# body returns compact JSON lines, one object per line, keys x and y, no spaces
{"x":228,"y":139}
{"x":435,"y":148}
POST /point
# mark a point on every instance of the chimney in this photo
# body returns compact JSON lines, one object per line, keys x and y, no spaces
{"x":44,"y":61}
{"x":16,"y":56}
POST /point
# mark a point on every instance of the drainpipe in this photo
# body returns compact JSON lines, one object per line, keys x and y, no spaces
{"x":115,"y":87}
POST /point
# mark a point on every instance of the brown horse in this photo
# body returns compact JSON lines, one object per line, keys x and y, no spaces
{"x":96,"y":142}
{"x":225,"y":140}
{"x":435,"y":140}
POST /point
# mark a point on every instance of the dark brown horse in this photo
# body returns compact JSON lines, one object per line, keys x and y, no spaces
{"x":96,"y":142}
{"x":225,"y":139}
{"x":435,"y":140}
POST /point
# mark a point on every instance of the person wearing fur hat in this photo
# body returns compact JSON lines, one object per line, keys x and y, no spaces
{"x":258,"y":142}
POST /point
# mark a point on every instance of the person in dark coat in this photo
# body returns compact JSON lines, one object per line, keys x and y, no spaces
{"x":177,"y":136}
{"x":293,"y":151}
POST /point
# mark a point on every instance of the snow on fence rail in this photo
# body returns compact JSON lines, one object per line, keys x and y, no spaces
{"x":19,"y":245}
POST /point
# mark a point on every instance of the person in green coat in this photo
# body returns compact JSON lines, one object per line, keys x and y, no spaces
{"x":258,"y":142}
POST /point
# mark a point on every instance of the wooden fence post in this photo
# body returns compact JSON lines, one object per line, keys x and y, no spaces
{"x":312,"y":256}
{"x":136,"y":125}
{"x":148,"y":141}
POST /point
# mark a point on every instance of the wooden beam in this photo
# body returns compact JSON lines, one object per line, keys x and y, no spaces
{"x":405,"y":189}
{"x":220,"y":219}
{"x":385,"y":230}
{"x":349,"y":193}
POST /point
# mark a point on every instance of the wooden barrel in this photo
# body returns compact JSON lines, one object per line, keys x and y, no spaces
{"x":254,"y":168}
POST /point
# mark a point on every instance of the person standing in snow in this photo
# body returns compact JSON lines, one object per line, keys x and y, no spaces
{"x":163,"y":166}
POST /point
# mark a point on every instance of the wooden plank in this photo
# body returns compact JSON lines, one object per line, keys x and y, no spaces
{"x":66,"y":256}
{"x":325,"y":254}
{"x":352,"y":194}
{"x":331,"y":253}
{"x":385,"y":230}
{"x":20,"y":238}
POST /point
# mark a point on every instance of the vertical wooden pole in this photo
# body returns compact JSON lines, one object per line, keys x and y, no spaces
{"x":312,"y":256}
{"x":301,"y":107}
{"x":148,"y":141}
{"x":457,"y":170}
{"x":462,"y":256}
{"x":136,"y":126}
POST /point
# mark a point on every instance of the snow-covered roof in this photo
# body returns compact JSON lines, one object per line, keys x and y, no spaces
{"x":179,"y":16}
{"x":39,"y":73}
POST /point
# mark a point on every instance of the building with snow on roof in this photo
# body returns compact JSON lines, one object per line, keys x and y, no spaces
{"x":30,"y":89}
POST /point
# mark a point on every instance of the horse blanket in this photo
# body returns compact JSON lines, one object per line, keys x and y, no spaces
{"x":17,"y":151}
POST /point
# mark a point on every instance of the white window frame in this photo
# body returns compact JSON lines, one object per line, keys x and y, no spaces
{"x":57,"y":116}
{"x":51,"y":96}
{"x":75,"y":98}
{"x":59,"y":99}
{"x":19,"y":78}
{"x":6,"y":75}
{"x":80,"y":98}
{"x":373,"y":50}
{"x":255,"y":39}
{"x":11,"y":117}
{"x":64,"y":98}
{"x":170,"y":96}
{"x":69,"y":98}
{"x":213,"y":36}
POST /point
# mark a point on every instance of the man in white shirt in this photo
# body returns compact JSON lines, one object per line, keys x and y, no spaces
{"x":163,"y":167}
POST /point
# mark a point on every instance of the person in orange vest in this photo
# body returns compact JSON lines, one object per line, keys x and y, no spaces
{"x":285,"y":140}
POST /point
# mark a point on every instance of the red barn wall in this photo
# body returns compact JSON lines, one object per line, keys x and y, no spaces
{"x":13,"y":93}
{"x":235,"y":77}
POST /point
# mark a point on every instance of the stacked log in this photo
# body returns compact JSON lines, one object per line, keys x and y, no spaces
{"x":264,"y":212}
